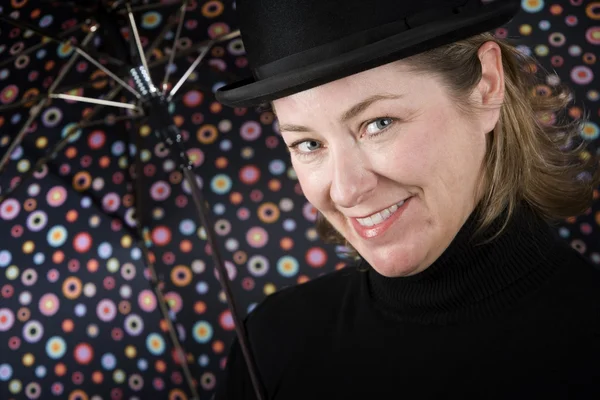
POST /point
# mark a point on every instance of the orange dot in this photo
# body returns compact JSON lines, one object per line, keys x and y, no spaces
{"x":72,"y":216}
{"x":49,"y":65}
{"x":68,"y":325}
{"x":216,"y":107}
{"x":160,"y":366}
{"x":58,"y":257}
{"x":274,"y":185}
{"x":92,"y":265}
{"x":221,"y":162}
{"x":235,"y":198}
{"x":596,"y":194}
{"x":185,"y":246}
{"x":286,"y":243}
{"x":571,"y":220}
{"x":556,"y":9}
{"x":71,"y":152}
{"x":35,"y":13}
{"x":128,"y":200}
{"x":151,"y":257}
{"x":163,"y":325}
{"x":339,"y":266}
{"x":218,"y":346}
{"x":60,"y":369}
{"x":104,"y":161}
{"x":97,"y":377}
{"x":178,"y":119}
{"x":303,"y":279}
{"x":89,"y":110}
{"x":575,"y":112}
{"x":200,"y":306}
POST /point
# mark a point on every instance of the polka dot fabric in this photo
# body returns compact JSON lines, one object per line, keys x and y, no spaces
{"x":78,"y":317}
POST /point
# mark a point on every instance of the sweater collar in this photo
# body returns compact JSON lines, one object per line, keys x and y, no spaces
{"x":471,"y":280}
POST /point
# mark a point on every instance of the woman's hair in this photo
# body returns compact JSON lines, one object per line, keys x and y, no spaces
{"x":532,"y":156}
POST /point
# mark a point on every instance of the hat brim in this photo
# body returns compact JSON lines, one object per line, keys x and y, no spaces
{"x":251,"y":92}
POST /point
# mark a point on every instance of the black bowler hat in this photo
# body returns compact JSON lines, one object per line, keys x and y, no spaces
{"x":295,"y":45}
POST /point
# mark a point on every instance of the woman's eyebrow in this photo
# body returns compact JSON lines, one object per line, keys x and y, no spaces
{"x":349,"y":114}
{"x":361,"y":107}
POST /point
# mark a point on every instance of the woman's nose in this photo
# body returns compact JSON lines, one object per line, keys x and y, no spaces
{"x":352,"y":180}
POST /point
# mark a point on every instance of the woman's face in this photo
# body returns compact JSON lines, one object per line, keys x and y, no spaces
{"x":391,"y":163}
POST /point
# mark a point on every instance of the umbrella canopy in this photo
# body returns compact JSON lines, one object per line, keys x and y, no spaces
{"x":81,"y":308}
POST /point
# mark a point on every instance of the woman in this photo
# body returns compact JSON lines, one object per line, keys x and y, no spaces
{"x":420,"y":140}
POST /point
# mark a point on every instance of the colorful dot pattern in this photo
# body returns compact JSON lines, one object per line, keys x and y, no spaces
{"x":78,"y":317}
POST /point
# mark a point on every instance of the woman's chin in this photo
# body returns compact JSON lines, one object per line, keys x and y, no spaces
{"x":393,"y":262}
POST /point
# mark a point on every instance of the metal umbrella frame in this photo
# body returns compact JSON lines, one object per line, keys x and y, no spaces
{"x":148,"y":101}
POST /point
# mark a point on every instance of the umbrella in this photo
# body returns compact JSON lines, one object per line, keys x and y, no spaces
{"x":114,"y":159}
{"x":64,"y":147}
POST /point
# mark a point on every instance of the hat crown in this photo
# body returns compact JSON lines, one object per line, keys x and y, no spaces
{"x":274,"y":29}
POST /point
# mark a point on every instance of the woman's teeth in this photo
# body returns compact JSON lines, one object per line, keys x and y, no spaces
{"x":380,"y":216}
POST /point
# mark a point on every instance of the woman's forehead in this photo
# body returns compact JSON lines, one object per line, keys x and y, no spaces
{"x":387,"y":83}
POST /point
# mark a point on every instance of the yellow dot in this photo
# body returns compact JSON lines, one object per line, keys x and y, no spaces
{"x":12,"y":272}
{"x":269,"y":289}
{"x":28,"y":360}
{"x":525,"y":30}
{"x":585,"y":155}
{"x":123,"y":162}
{"x":222,"y":297}
{"x":41,"y":142}
{"x":130,"y":351}
{"x":28,"y":247}
{"x":145,"y":130}
{"x":126,"y":241}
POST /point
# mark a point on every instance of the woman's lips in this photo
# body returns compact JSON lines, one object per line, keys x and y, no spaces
{"x":370,"y":232}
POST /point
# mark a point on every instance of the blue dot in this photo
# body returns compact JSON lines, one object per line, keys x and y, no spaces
{"x":41,"y":53}
{"x":525,"y":50}
{"x":219,"y":209}
{"x":86,"y":202}
{"x":251,"y":307}
{"x":109,"y":361}
{"x":226,"y":145}
{"x":118,"y":148}
{"x":564,"y":233}
{"x":277,"y":167}
{"x":544,"y":25}
{"x":136,"y":253}
{"x":203,"y":360}
{"x":289,"y":225}
{"x":202,"y":287}
{"x":5,"y":258}
{"x":142,"y":364}
{"x":16,"y":119}
{"x":40,"y":371}
{"x":6,"y":372}
{"x":187,"y":227}
{"x":39,"y":258}
{"x":46,"y":21}
{"x":171,"y":68}
{"x":80,"y":310}
{"x":105,"y":250}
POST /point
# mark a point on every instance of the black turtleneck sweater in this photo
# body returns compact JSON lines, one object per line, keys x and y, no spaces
{"x":518,"y":318}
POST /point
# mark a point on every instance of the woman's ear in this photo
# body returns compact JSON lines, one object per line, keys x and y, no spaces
{"x":491,"y":86}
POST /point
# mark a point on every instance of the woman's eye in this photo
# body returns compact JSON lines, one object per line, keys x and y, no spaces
{"x":378,"y":125}
{"x":309,"y":146}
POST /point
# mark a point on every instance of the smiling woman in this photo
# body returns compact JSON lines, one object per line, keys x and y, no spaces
{"x":423,"y":143}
